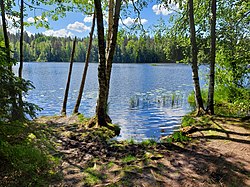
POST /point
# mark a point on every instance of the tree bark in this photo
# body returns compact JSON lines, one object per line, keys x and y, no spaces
{"x":197,"y":90}
{"x":14,"y":111}
{"x":21,"y":39}
{"x":5,"y":33}
{"x":110,"y":23}
{"x":112,"y":44}
{"x":210,"y":102}
{"x":20,"y":71}
{"x":101,"y":107}
{"x":63,"y":111}
{"x":76,"y":108}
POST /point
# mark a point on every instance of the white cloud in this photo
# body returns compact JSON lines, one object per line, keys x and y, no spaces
{"x":37,"y":18}
{"x":165,"y":10}
{"x":58,"y":33}
{"x":130,"y":21}
{"x":11,"y":28}
{"x":131,"y":1}
{"x":31,"y":20}
{"x":88,"y":19}
{"x":29,"y":33}
{"x":10,"y":23}
{"x":78,"y":27}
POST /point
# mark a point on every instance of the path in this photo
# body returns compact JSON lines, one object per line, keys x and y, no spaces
{"x":218,"y":156}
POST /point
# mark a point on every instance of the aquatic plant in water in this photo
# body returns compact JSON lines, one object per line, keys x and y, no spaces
{"x":157,"y":98}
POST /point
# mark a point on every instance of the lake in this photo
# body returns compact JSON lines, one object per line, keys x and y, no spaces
{"x":147,"y":101}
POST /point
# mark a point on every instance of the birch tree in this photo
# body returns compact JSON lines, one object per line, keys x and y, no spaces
{"x":105,"y":59}
{"x":195,"y":74}
{"x":210,"y":102}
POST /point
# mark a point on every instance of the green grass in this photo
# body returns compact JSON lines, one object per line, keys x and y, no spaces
{"x":81,"y":118}
{"x":128,"y":158}
{"x":188,"y":120}
{"x":25,"y":158}
{"x":149,"y":142}
{"x":93,"y":176}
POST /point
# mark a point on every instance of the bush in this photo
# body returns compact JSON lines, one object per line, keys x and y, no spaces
{"x":228,"y":101}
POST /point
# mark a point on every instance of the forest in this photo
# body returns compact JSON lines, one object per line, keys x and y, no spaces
{"x":211,"y":145}
{"x":130,"y":49}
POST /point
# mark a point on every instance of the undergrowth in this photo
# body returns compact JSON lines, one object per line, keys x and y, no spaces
{"x":25,"y":156}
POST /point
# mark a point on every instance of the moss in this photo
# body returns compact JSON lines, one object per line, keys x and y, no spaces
{"x":115,"y":128}
{"x":153,"y":156}
{"x":128,"y":158}
{"x":93,"y":176}
{"x":82,"y":119}
{"x":188,"y":120}
{"x":148,"y":142}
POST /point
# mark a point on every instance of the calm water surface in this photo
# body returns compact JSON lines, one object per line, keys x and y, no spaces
{"x":146,"y":101}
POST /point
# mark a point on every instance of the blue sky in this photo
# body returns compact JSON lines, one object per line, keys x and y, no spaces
{"x":77,"y":24}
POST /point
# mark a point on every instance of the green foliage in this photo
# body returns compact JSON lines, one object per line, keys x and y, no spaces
{"x":187,"y":120}
{"x":81,"y":118}
{"x":11,"y":87}
{"x":130,"y":141}
{"x":149,"y":142}
{"x":130,"y":49}
{"x":177,"y":137}
{"x":92,"y":176}
{"x":23,"y":162}
{"x":191,"y":98}
{"x":232,"y":101}
{"x":228,"y":101}
{"x":24,"y":156}
{"x":104,"y":132}
{"x":128,"y":158}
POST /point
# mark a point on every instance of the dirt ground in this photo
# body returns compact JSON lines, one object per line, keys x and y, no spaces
{"x":218,"y":155}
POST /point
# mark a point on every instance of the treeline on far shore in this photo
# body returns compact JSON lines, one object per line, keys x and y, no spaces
{"x":129,"y":49}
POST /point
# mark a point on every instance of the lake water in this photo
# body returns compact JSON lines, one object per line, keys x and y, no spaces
{"x":146,"y":101}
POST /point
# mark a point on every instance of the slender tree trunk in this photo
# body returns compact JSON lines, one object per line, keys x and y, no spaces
{"x":210,"y":102}
{"x":110,"y":24}
{"x":101,"y":107}
{"x":63,"y":111}
{"x":5,"y":33}
{"x":112,"y":44}
{"x":21,"y":39}
{"x":197,"y":90}
{"x":14,"y":111}
{"x":76,"y":108}
{"x":20,"y":71}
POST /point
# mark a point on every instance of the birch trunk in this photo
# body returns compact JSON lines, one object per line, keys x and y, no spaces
{"x":112,"y":44}
{"x":210,"y":102}
{"x":197,"y":90}
{"x":101,"y":107}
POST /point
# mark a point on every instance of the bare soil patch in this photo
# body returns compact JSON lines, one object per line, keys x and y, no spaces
{"x":218,"y":155}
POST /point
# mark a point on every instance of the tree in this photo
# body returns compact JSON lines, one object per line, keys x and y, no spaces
{"x":112,"y":39}
{"x":63,"y":111}
{"x":101,"y":107}
{"x":76,"y":108}
{"x":197,"y":90}
{"x":14,"y":109}
{"x":105,"y":61}
{"x":21,"y":38}
{"x":11,"y":85}
{"x":5,"y":32}
{"x":20,"y":71}
{"x":210,"y":102}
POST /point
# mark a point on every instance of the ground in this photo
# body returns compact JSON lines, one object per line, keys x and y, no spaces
{"x":217,"y":155}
